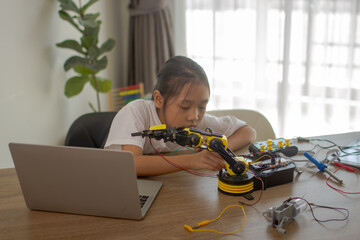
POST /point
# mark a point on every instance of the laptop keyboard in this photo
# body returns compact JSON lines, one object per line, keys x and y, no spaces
{"x":143,"y":199}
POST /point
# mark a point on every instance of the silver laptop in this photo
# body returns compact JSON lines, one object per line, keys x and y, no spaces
{"x":85,"y":181}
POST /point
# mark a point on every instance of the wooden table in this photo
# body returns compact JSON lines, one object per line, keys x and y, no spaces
{"x":188,"y":199}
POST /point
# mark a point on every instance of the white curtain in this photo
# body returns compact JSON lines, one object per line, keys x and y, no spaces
{"x":295,"y":61}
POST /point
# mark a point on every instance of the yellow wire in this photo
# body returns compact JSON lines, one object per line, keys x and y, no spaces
{"x":203,"y":223}
{"x":256,"y":160}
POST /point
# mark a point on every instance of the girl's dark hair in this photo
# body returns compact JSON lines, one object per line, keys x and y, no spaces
{"x":176,"y":73}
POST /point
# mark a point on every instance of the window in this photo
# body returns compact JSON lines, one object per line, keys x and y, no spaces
{"x":296,"y":61}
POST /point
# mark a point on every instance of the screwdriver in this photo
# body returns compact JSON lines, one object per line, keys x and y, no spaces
{"x":322,"y":167}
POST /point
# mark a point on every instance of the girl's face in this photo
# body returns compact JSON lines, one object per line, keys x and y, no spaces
{"x":185,"y":110}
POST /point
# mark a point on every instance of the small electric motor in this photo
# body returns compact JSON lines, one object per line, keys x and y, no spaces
{"x":285,"y":213}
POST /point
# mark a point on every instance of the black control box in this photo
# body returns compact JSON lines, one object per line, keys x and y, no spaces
{"x":275,"y":177}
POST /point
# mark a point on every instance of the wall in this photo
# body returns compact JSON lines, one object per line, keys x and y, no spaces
{"x":32,"y":104}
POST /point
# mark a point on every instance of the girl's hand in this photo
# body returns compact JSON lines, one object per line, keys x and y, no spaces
{"x":207,"y":160}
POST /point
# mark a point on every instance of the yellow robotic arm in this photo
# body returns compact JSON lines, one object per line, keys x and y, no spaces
{"x":196,"y":138}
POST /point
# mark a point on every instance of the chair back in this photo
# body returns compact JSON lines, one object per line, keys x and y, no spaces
{"x":90,"y":130}
{"x":256,"y":120}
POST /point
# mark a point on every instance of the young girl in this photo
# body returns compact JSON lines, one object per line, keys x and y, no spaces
{"x":179,"y":100}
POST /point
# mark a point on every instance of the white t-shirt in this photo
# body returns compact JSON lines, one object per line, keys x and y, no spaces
{"x":141,"y":114}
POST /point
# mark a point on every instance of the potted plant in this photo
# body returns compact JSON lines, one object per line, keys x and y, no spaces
{"x":90,"y":59}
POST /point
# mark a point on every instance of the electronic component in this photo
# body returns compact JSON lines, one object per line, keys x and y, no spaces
{"x":285,"y":213}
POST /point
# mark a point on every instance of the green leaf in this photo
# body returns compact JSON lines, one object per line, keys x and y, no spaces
{"x":88,"y":41}
{"x":93,"y":52}
{"x":99,"y":65}
{"x":75,"y":85}
{"x":103,"y":85}
{"x":89,"y":20}
{"x":87,"y":5}
{"x":71,"y":44}
{"x":107,"y":46}
{"x":92,"y":33}
{"x":69,"y":5}
{"x":75,"y":61}
{"x":65,"y":16}
{"x":83,"y":70}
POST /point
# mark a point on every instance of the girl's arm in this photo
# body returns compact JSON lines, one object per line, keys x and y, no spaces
{"x":242,"y":137}
{"x":150,"y":165}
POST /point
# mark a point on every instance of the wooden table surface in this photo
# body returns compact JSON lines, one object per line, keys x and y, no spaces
{"x":188,"y":199}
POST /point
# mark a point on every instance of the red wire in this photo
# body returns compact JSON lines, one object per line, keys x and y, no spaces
{"x":336,"y":189}
{"x":321,"y":206}
{"x":262,"y":190}
{"x":351,"y":169}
